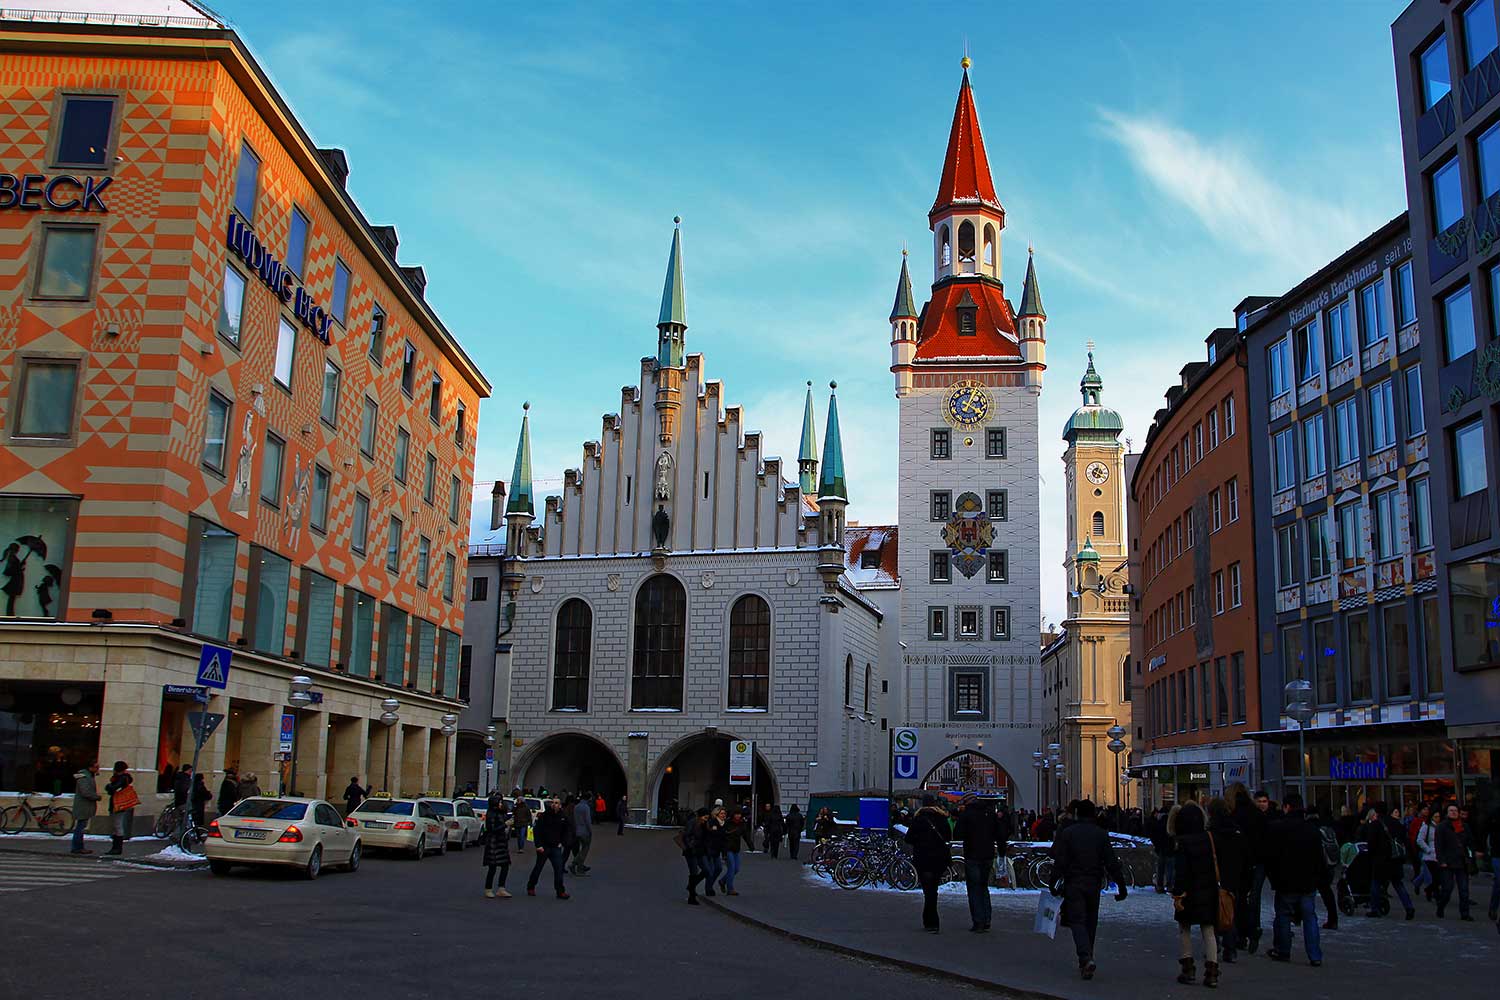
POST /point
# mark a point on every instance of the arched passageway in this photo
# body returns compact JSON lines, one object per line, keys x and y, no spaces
{"x":571,"y":762}
{"x":695,"y":773}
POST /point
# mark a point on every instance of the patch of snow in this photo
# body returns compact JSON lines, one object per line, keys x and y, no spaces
{"x":173,"y":854}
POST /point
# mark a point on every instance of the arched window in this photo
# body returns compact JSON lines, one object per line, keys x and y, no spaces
{"x":867,"y":688}
{"x":570,"y":657}
{"x":660,"y":630}
{"x":1098,"y":524}
{"x":945,"y":247}
{"x":989,"y":249}
{"x":848,"y":682}
{"x":750,"y":653}
{"x":966,"y":242}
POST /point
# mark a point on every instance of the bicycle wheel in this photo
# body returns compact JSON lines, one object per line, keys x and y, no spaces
{"x":1041,"y":872}
{"x":955,"y":872}
{"x":850,"y":873}
{"x":902,"y":874}
{"x":193,"y":840}
{"x":166,"y":822}
{"x":56,"y":821}
{"x":12,"y":819}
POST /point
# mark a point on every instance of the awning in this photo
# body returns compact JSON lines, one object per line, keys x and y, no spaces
{"x":1403,"y":729}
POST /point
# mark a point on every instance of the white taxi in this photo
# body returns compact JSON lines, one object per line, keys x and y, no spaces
{"x":458,"y":817}
{"x":478,"y":804}
{"x":400,"y":824}
{"x":301,"y":833}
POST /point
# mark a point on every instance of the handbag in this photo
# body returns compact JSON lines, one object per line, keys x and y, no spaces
{"x":1226,"y":898}
{"x":123,"y":799}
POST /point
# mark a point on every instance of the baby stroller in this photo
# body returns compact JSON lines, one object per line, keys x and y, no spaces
{"x":1354,"y":888}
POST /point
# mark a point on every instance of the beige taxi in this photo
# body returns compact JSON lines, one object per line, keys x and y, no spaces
{"x":306,"y":834}
{"x":399,"y":824}
{"x":463,"y":826}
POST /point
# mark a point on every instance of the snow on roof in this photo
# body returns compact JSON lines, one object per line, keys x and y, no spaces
{"x":879,"y":540}
{"x":170,"y":13}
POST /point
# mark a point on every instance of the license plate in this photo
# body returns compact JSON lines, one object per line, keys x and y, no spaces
{"x":249,"y":835}
{"x":376,"y":825}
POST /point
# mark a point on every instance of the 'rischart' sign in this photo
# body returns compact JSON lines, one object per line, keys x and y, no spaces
{"x":277,"y":277}
{"x":63,"y":193}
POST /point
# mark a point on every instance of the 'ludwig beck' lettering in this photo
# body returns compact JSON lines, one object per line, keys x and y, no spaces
{"x":276,"y":276}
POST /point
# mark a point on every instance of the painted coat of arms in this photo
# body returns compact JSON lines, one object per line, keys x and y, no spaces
{"x":968,"y":534}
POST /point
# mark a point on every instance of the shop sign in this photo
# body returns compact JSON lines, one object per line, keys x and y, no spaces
{"x":277,"y":277}
{"x":63,"y":193}
{"x":1345,"y":770}
{"x":1193,"y":775}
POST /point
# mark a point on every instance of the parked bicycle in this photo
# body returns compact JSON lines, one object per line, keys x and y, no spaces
{"x":53,"y":818}
{"x":193,"y":840}
{"x":168,"y":823}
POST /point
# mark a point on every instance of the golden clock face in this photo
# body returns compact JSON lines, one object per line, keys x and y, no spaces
{"x":967,"y":404}
{"x":1098,"y":473}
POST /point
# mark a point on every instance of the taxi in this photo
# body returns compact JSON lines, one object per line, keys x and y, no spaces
{"x":458,"y":817}
{"x":399,"y":824}
{"x":478,"y":804}
{"x":282,"y":830}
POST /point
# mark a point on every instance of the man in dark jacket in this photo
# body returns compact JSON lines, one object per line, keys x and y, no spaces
{"x":354,"y":794}
{"x":622,"y":814}
{"x":772,"y":825}
{"x":1385,"y":844}
{"x":1252,"y":814}
{"x":1161,"y":846}
{"x":928,"y":834}
{"x":979,"y":829}
{"x":551,"y":833}
{"x":520,"y":817}
{"x":1451,"y":845}
{"x":694,"y":852}
{"x":229,"y":790}
{"x":1296,"y":868}
{"x":795,"y":824}
{"x":1082,"y":856}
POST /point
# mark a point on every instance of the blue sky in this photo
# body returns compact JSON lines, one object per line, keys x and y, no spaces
{"x":1165,"y":159}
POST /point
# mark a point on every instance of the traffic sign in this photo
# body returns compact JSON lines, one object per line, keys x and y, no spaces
{"x":288,"y":732}
{"x":904,"y":741}
{"x":213,"y":666}
{"x":489,"y":755}
{"x":204,"y":724}
{"x":906,"y":766}
{"x":741,"y":761}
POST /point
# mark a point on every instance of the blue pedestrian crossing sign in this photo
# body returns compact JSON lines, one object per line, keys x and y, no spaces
{"x":906,"y":766}
{"x":213,"y":666}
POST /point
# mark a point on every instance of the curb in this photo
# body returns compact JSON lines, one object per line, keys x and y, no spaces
{"x":100,"y":858}
{"x":989,"y":986}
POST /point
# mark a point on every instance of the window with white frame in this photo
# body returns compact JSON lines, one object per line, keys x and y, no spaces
{"x":1416,"y":422}
{"x":1319,"y":547}
{"x":1234,"y":585}
{"x":1307,"y":343}
{"x":1278,"y":369}
{"x":1219,"y":592}
{"x":1421,"y":513}
{"x":1382,"y":416}
{"x":1215,"y":510}
{"x":1213,"y":429}
{"x":1285,"y":448}
{"x":1228,"y":416}
{"x":1340,"y":332}
{"x":1346,"y":432}
{"x":1373,"y":322}
{"x":1387,"y":545}
{"x":1233,"y":489}
{"x":1287,"y":567}
{"x":1406,"y":297}
{"x":1314,"y":461}
{"x":1351,"y":538}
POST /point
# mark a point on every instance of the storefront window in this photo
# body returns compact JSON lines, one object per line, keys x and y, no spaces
{"x":213,"y":587}
{"x":1474,"y":589}
{"x":35,"y":533}
{"x":317,"y":598}
{"x":451,"y":643}
{"x":269,"y":601}
{"x":1402,"y":758}
{"x":1437,"y":757}
{"x":48,"y":730}
{"x":359,"y":610}
{"x":426,"y":653}
{"x":393,"y":644}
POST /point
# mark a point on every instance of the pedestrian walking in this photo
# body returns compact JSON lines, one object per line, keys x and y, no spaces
{"x":795,"y":824}
{"x":249,"y":786}
{"x":772,"y":826}
{"x":521,"y":821}
{"x":692,"y":841}
{"x":1331,"y":887}
{"x":1252,"y":814}
{"x":1425,"y":864}
{"x":1233,"y":853}
{"x":1492,"y":850}
{"x":713,"y":846}
{"x":979,"y":829}
{"x":1161,"y":848}
{"x":824,"y":826}
{"x":1452,"y":847}
{"x":85,"y":802}
{"x":551,"y":833}
{"x":354,"y":794}
{"x":929,"y":834}
{"x":201,"y":797}
{"x":496,"y":846}
{"x":583,"y":834}
{"x":123,"y":799}
{"x":1082,"y":858}
{"x":1296,"y":868}
{"x":734,"y":835}
{"x":1385,"y":848}
{"x":1195,"y":894}
{"x":622,"y":814}
{"x":229,"y":791}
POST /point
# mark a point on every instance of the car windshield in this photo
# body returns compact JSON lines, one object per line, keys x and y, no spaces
{"x":269,"y":809}
{"x":385,"y":806}
{"x":442,"y":808}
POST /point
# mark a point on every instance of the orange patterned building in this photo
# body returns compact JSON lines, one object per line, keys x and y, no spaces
{"x":227,"y":415}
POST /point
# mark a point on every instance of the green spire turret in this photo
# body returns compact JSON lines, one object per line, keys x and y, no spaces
{"x":520,"y":480}
{"x":672,"y":322}
{"x":831,"y":486}
{"x":807,"y":456}
{"x":1031,"y":295}
{"x":905,"y":307}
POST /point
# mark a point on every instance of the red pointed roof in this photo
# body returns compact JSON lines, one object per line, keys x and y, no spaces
{"x":994,"y":333}
{"x":966,"y":168}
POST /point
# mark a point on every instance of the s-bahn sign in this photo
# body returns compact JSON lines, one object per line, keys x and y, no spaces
{"x":276,"y":276}
{"x":62,"y":193}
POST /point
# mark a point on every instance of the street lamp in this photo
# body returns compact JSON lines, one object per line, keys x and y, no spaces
{"x":489,"y":765}
{"x":1299,"y":706}
{"x":299,"y":697}
{"x":388,"y":718}
{"x":1038,"y":761}
{"x":1116,"y":744}
{"x":448,"y":730}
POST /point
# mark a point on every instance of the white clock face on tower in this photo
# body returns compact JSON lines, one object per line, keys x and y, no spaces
{"x":1098,"y":473}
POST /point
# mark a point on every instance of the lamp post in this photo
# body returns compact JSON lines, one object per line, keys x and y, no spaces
{"x":388,"y":718}
{"x":1116,"y":744}
{"x":300,"y":697}
{"x":489,"y":769}
{"x":1299,"y":706}
{"x":1054,"y":758}
{"x":1125,"y":780}
{"x":449,"y":728}
{"x":1038,"y":761}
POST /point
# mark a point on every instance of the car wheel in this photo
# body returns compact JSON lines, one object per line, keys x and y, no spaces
{"x":421,"y":851}
{"x":442,"y":846}
{"x":463,"y":839}
{"x":219,"y":867}
{"x":314,"y":864}
{"x":352,"y":865}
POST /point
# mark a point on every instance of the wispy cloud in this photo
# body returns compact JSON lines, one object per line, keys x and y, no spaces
{"x":1235,"y":199}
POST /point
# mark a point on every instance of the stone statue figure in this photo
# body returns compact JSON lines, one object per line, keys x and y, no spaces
{"x":661,"y":526}
{"x":664,"y":476}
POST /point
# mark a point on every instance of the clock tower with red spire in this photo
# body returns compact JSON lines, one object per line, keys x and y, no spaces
{"x":968,"y":371}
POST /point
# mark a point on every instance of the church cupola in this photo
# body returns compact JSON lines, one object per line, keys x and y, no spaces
{"x":671,"y":326}
{"x":1093,"y":421}
{"x":807,"y":455}
{"x":903,"y":330}
{"x":966,"y":216}
{"x":833,"y":498}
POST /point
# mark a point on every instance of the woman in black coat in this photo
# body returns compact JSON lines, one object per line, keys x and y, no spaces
{"x":496,"y":847}
{"x":1195,"y":892}
{"x":1235,"y":866}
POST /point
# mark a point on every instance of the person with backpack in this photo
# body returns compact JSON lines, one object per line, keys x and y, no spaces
{"x":1385,"y":844}
{"x":929,"y":834}
{"x":1330,"y":889}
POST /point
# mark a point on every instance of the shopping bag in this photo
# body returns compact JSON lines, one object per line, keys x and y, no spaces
{"x":1048,"y":910}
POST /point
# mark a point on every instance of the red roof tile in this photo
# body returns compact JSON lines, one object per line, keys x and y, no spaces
{"x":966,"y":168}
{"x":938,"y":336}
